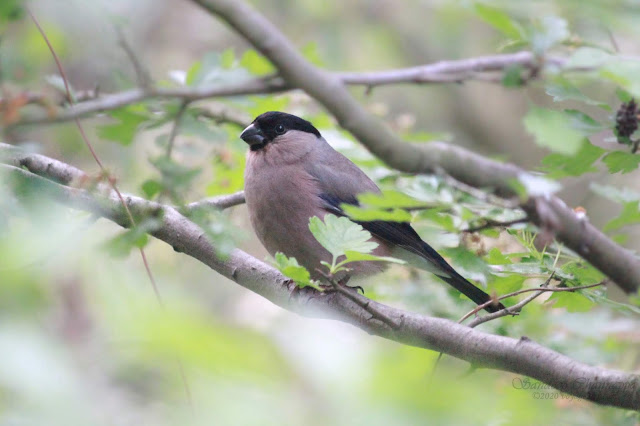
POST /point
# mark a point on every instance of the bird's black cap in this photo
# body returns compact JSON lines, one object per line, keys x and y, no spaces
{"x":269,"y":125}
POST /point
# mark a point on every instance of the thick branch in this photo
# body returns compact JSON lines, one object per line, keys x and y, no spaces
{"x":518,"y":356}
{"x":549,"y":213}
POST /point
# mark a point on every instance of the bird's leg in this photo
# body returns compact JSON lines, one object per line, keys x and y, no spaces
{"x":296,"y":291}
{"x":333,"y":282}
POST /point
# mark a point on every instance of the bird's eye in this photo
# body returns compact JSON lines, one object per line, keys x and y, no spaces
{"x":279,"y":129}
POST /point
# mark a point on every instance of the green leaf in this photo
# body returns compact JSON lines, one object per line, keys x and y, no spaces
{"x":256,"y":64}
{"x":535,"y":186}
{"x":151,"y":187}
{"x":552,"y":129}
{"x":290,"y":268}
{"x":356,"y":256}
{"x":11,"y":10}
{"x":311,"y":54}
{"x":507,"y":284}
{"x":421,"y":136}
{"x":218,"y":228}
{"x":495,"y":257}
{"x":583,"y":273}
{"x":548,"y":32}
{"x":191,"y":124}
{"x":192,"y":73}
{"x":136,"y":237}
{"x":584,"y":123}
{"x":388,"y":199}
{"x":623,"y":95}
{"x":267,"y":103}
{"x":624,"y":72}
{"x":228,"y":172}
{"x":442,"y":220}
{"x":619,"y":195}
{"x":563,"y":90}
{"x":620,"y":161}
{"x":512,"y":76}
{"x":466,"y":261}
{"x":588,"y":57}
{"x":500,"y":21}
{"x":339,"y":234}
{"x":176,"y":178}
{"x":630,"y":215}
{"x":370,"y":214}
{"x":621,"y":239}
{"x":573,"y":302}
{"x":227,"y":58}
{"x":216,"y":68}
{"x":560,"y":165}
{"x":204,"y":71}
{"x":129,"y":120}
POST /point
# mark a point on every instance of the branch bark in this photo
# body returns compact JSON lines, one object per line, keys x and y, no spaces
{"x":520,"y":356}
{"x":456,"y":71}
{"x":548,"y":212}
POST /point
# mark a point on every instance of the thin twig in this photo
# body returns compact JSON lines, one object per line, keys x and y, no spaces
{"x":360,"y":300}
{"x":142,"y":74}
{"x":220,"y":202}
{"x":487,"y":197}
{"x":85,"y":138}
{"x":513,"y":310}
{"x":506,"y":296}
{"x":516,"y":308}
{"x":176,"y":127}
{"x":222,"y":114}
{"x":491,"y":223}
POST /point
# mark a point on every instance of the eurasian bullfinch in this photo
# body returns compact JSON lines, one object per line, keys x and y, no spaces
{"x":293,"y":174}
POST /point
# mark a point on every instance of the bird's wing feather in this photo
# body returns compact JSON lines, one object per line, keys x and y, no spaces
{"x":415,"y":251}
{"x":399,"y":234}
{"x":339,"y":181}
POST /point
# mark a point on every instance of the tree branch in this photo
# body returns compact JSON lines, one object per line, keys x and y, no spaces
{"x":515,"y":309}
{"x":134,"y":96}
{"x":448,"y":71}
{"x":220,"y":202}
{"x":440,"y":72}
{"x":491,"y":223}
{"x":521,"y":356}
{"x":549,"y":212}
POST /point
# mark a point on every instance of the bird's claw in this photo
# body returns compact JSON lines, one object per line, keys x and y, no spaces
{"x":328,"y":288}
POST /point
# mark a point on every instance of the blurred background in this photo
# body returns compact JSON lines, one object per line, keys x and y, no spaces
{"x":84,"y":341}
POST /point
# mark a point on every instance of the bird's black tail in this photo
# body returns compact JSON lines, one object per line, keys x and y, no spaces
{"x":410,"y":247}
{"x":458,"y":282}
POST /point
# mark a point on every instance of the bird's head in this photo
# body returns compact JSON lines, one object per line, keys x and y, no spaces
{"x":276,"y":127}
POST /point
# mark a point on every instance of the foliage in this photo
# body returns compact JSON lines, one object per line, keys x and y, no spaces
{"x":84,"y":341}
{"x":344,"y":239}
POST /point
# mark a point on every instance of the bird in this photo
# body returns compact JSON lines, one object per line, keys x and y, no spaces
{"x":293,"y":174}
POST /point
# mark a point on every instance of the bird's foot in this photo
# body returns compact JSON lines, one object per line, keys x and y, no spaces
{"x":296,"y":291}
{"x":341,"y":282}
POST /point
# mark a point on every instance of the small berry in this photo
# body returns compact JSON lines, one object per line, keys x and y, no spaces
{"x":626,"y":121}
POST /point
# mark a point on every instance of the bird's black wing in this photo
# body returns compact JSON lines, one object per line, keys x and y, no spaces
{"x":403,"y":235}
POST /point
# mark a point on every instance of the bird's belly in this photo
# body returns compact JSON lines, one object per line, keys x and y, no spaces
{"x":282,"y":225}
{"x":280,"y":205}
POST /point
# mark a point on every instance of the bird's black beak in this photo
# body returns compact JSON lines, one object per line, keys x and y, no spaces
{"x":253,"y":136}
